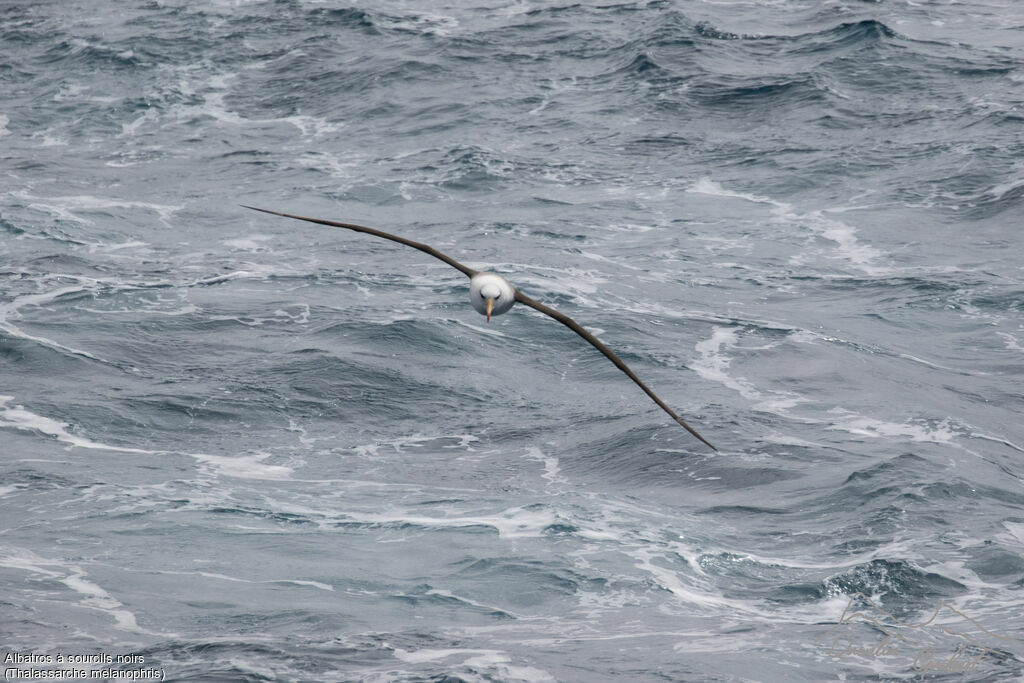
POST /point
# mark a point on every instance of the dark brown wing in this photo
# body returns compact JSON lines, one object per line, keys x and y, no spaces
{"x":377,"y":233}
{"x":596,"y":343}
{"x":520,"y":297}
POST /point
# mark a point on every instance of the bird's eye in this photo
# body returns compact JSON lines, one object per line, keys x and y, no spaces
{"x":497,"y":296}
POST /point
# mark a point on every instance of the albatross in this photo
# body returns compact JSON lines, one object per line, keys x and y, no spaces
{"x":491,"y":294}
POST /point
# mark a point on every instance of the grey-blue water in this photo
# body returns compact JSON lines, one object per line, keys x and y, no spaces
{"x":237,"y":447}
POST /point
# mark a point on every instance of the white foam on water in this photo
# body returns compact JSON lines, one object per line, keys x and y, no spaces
{"x":312,"y":126}
{"x":300,"y":318}
{"x":250,"y":243}
{"x":669,"y":580}
{"x":214,"y":91}
{"x":17,"y":417}
{"x":117,"y":246}
{"x":91,"y":594}
{"x":499,"y":664}
{"x":97,"y":598}
{"x":5,"y":490}
{"x":713,"y":365}
{"x":28,"y":561}
{"x":604,"y":259}
{"x":1016,"y":529}
{"x":848,"y":246}
{"x":998,"y":191}
{"x":235,"y":579}
{"x":516,"y":522}
{"x":65,"y":206}
{"x":11,"y":308}
{"x":803,"y":337}
{"x":888,"y":550}
{"x":421,"y":23}
{"x":784,"y":440}
{"x":874,"y":428}
{"x":550,"y":462}
{"x":572,"y":282}
{"x":708,"y":186}
{"x":258,"y":272}
{"x":998,"y":439}
{"x":324,"y":161}
{"x":58,"y":212}
{"x":597,"y":532}
{"x":432,"y":655}
{"x":130,"y":129}
{"x":48,"y":139}
{"x":244,"y":466}
{"x":237,"y":466}
{"x":415,"y":441}
{"x":922,"y":361}
{"x":294,"y":426}
{"x":540,"y":107}
{"x":228,"y":277}
{"x":1012,"y":343}
{"x":495,"y":663}
{"x":630,"y":227}
{"x":213,"y":106}
{"x":187,"y":309}
{"x":478,"y":328}
{"x":4,"y":120}
{"x":448,"y":594}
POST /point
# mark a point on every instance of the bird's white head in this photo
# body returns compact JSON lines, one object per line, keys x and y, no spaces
{"x":491,"y":294}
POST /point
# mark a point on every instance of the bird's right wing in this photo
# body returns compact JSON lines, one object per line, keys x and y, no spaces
{"x":596,"y":343}
{"x":377,"y":233}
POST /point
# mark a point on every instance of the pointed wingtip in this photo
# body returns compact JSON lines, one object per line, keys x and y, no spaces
{"x":707,"y":443}
{"x":256,"y":208}
{"x":695,"y":433}
{"x":710,"y":445}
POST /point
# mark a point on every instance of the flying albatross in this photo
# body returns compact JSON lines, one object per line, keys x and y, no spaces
{"x":492,"y":294}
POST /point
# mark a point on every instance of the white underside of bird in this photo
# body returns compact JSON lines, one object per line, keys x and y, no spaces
{"x":491,"y":294}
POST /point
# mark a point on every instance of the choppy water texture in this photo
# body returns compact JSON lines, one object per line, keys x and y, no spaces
{"x":246,"y":448}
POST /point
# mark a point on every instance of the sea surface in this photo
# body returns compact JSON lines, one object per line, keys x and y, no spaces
{"x":238,"y":447}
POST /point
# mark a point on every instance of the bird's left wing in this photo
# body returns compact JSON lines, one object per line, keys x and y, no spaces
{"x":426,"y":248}
{"x":596,"y":343}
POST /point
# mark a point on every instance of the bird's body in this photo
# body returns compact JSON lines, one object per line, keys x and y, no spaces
{"x":491,"y":294}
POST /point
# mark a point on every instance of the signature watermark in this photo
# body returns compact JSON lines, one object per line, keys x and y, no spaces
{"x":948,"y":642}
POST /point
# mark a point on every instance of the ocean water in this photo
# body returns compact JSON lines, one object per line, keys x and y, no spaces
{"x":237,"y":447}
